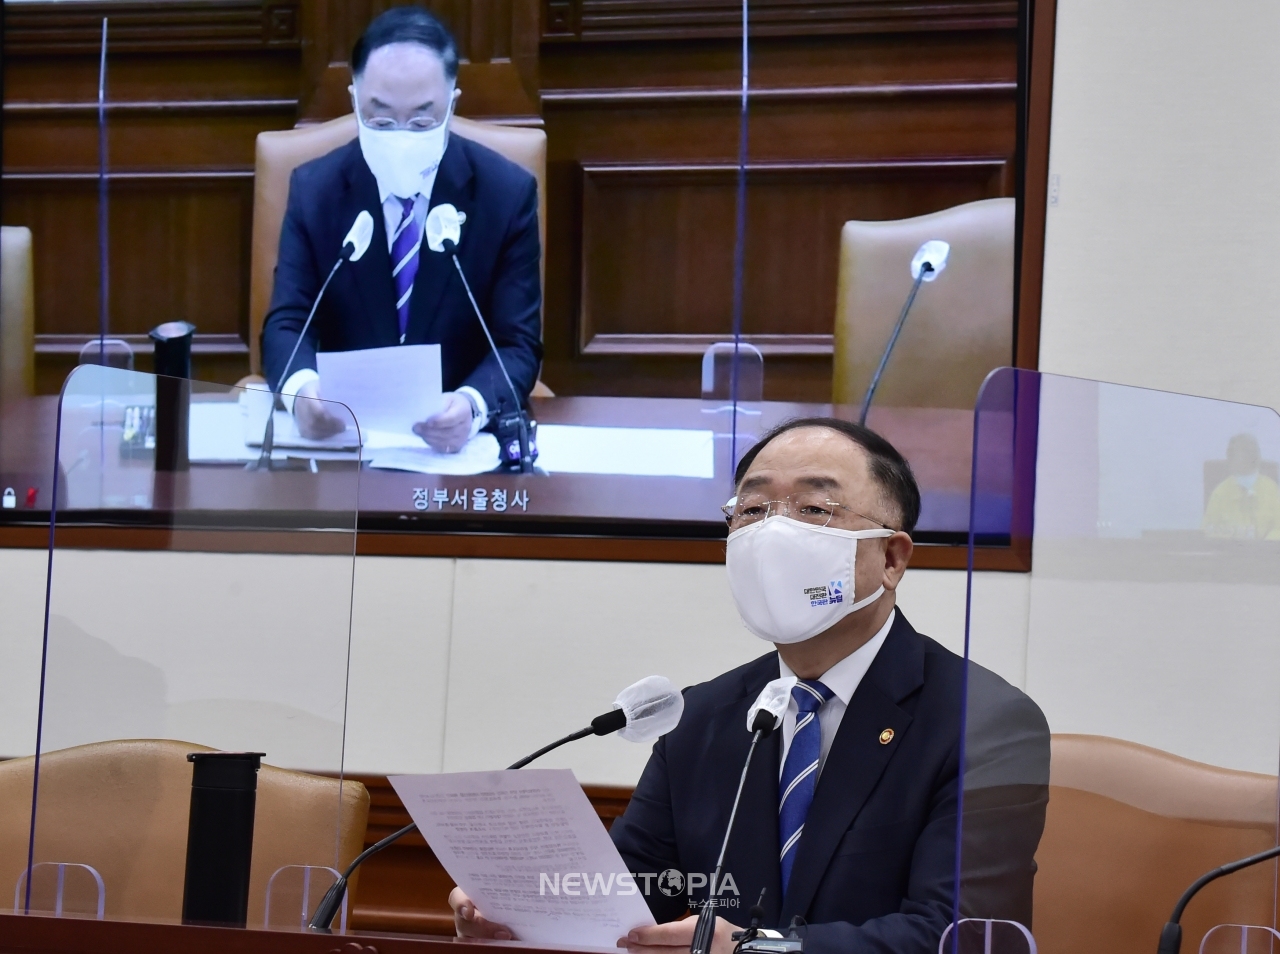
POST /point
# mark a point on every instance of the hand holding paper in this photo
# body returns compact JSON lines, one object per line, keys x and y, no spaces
{"x":530,"y":852}
{"x":315,"y":420}
{"x":449,"y":428}
{"x":388,"y":389}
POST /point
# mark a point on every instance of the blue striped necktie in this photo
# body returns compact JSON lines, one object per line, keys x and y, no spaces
{"x":404,"y":262}
{"x":800,"y":771}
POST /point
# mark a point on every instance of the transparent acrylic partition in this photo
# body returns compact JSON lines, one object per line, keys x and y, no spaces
{"x":732,"y":396}
{"x":197,"y":600}
{"x":1122,"y":723}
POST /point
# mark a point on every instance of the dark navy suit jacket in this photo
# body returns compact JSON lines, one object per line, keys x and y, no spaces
{"x":499,"y":251}
{"x":876,"y":863}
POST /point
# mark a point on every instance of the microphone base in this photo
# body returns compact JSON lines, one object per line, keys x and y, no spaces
{"x":327,"y":909}
{"x":272,"y":464}
{"x":1170,"y":938}
{"x":517,"y":442}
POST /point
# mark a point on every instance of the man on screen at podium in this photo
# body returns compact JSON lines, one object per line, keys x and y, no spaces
{"x":402,"y":164}
{"x":848,"y":814}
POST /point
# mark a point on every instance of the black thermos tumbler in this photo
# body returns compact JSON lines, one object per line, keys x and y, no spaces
{"x":224,"y":790}
{"x":173,"y":396}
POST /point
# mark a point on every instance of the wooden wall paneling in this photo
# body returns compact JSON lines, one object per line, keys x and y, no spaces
{"x":569,"y":20}
{"x":497,"y":41}
{"x":643,"y":141}
{"x":140,"y":26}
{"x":668,"y":288}
{"x":1043,"y":16}
{"x":178,"y":244}
{"x":190,"y":84}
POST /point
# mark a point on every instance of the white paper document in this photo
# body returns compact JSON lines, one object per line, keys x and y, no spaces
{"x":530,"y":851}
{"x":226,"y":432}
{"x":388,"y":389}
{"x":255,"y":400}
{"x":477,"y":456}
{"x":633,"y":451}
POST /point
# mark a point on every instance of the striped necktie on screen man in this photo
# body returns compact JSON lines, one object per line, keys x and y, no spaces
{"x":404,"y":256}
{"x":800,"y":771}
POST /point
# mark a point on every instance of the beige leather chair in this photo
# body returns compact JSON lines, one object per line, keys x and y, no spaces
{"x":961,"y":325}
{"x":279,"y":153}
{"x":123,"y":807}
{"x":1128,"y":829}
{"x":17,"y":314}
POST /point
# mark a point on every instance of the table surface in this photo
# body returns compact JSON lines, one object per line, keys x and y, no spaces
{"x":34,"y":934}
{"x":937,"y":441}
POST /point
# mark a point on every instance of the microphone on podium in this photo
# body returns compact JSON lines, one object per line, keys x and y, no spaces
{"x":443,"y":232}
{"x":354,"y":246}
{"x":642,"y":712}
{"x":927,"y":264}
{"x":763,"y":717}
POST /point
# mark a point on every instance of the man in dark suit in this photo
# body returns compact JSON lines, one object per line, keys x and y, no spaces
{"x":403,"y":164}
{"x":848,"y":819}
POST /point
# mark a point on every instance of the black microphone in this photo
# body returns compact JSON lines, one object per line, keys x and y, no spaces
{"x":443,"y":231}
{"x":1171,"y":933}
{"x":645,"y":710}
{"x":929,"y":261}
{"x":353,"y":247}
{"x":763,"y":717}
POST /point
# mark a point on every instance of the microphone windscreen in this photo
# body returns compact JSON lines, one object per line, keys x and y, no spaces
{"x":443,"y":222}
{"x":653,"y":707}
{"x":773,"y":701}
{"x":359,"y":237}
{"x":935,"y":252}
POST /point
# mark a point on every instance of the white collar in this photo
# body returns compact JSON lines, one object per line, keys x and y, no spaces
{"x":843,"y":678}
{"x":384,"y":193}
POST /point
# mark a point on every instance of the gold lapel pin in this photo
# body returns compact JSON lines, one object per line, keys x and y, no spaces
{"x":886,"y":736}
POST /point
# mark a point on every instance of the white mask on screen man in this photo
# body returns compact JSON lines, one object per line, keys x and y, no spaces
{"x":401,"y":159}
{"x":792,"y":580}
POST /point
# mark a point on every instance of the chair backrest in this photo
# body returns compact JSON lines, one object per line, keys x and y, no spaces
{"x":17,"y":314}
{"x":123,"y":808}
{"x":1128,"y":829}
{"x":279,"y":153}
{"x":961,"y":325}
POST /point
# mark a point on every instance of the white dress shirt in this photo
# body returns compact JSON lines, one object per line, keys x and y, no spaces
{"x":392,"y":215}
{"x":842,"y":679}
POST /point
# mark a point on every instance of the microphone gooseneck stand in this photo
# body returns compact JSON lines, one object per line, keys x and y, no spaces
{"x":926,"y":268}
{"x":705,"y":929}
{"x":526,"y":457}
{"x":1171,"y":933}
{"x":605,"y":724}
{"x":269,"y":434}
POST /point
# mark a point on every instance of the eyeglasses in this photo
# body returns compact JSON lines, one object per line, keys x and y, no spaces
{"x":417,"y":124}
{"x":386,"y":123}
{"x":812,"y":507}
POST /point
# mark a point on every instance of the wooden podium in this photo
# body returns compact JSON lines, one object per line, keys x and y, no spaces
{"x":23,"y":934}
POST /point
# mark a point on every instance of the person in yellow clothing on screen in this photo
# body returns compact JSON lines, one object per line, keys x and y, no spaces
{"x":1247,"y":504}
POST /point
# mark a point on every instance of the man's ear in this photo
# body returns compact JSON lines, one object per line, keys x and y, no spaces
{"x":897,"y":554}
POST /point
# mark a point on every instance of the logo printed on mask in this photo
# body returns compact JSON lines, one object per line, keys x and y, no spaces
{"x":827,"y":595}
{"x":772,"y":565}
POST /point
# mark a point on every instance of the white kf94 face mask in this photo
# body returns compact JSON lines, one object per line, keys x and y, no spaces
{"x":793,"y":580}
{"x":400,"y":159}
